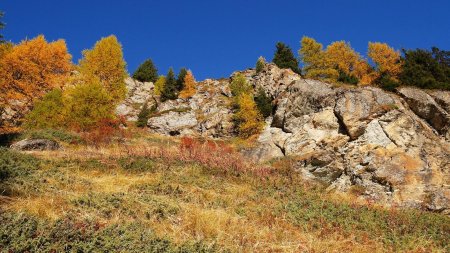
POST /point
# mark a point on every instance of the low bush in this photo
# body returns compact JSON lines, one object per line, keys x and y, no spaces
{"x":59,"y":135}
{"x":105,"y":131}
{"x":14,"y":167}
{"x":23,"y":233}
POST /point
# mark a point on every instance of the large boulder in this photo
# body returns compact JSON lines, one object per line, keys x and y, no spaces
{"x":35,"y":144}
{"x":174,"y":123}
{"x":426,"y":107}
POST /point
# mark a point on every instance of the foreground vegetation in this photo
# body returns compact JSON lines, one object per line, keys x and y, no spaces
{"x":153,"y":194}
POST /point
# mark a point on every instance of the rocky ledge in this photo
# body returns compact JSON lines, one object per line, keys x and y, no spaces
{"x":389,"y":148}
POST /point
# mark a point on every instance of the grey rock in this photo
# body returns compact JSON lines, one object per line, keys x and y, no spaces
{"x":36,"y":144}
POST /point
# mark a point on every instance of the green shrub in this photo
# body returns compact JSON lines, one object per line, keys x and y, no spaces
{"x":24,"y":233}
{"x":346,"y":78}
{"x":264,"y":103}
{"x":387,"y":83}
{"x":48,"y":112}
{"x":146,"y":72}
{"x":51,"y":134}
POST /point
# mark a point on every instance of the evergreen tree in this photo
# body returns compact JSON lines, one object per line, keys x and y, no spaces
{"x":146,"y":72}
{"x":264,"y":103}
{"x":180,"y":79}
{"x":189,"y":87}
{"x":2,"y":26}
{"x":284,"y":58}
{"x":426,"y":69}
{"x":143,"y":116}
{"x":170,"y":88}
{"x":260,"y":64}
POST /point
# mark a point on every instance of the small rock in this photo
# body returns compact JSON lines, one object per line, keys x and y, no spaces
{"x":36,"y":144}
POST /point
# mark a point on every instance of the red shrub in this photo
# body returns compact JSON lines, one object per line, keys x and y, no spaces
{"x":105,"y":131}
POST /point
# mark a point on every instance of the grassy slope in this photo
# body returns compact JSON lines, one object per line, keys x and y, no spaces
{"x":118,"y":198}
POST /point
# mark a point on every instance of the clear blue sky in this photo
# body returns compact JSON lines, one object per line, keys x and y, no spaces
{"x":214,"y":38}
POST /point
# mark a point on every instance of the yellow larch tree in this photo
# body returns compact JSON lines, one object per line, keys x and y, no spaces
{"x":249,"y":119}
{"x":159,"y":85}
{"x":316,"y":63}
{"x":343,"y":57}
{"x":105,"y":64}
{"x":189,"y":86}
{"x":387,"y":60}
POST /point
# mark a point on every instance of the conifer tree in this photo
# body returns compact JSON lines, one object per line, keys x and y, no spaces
{"x":146,"y":72}
{"x":2,"y":26}
{"x":47,"y":112}
{"x":159,"y":85}
{"x":180,"y":79}
{"x":260,"y":64}
{"x":189,"y":86}
{"x":240,"y":85}
{"x":315,"y":63}
{"x":249,"y":120}
{"x":143,"y":116}
{"x":264,"y":103}
{"x":105,"y":64}
{"x":170,"y":87}
{"x":284,"y":58}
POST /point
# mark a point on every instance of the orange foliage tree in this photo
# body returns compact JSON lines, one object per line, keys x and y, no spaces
{"x":32,"y":68}
{"x":189,"y":86}
{"x":387,"y":60}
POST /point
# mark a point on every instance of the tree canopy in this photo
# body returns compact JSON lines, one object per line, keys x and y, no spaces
{"x":146,"y":72}
{"x":284,"y":58}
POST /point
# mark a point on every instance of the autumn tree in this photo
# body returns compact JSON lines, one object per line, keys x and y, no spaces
{"x":284,"y":58}
{"x":86,"y":104}
{"x":387,"y":60}
{"x":146,"y":72}
{"x":260,"y":64}
{"x":189,"y":86}
{"x":180,"y":79}
{"x":316,"y":65}
{"x":240,"y":85}
{"x":159,"y":85}
{"x":105,"y":64}
{"x":32,"y":68}
{"x":170,"y":87}
{"x":248,"y":119}
{"x":47,"y":112}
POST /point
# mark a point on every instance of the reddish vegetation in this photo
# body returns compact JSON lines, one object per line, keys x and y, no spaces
{"x":105,"y":131}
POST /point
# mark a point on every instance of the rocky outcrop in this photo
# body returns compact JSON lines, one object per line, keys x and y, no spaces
{"x":138,"y":94}
{"x":426,"y":107}
{"x":35,"y":144}
{"x":389,"y":148}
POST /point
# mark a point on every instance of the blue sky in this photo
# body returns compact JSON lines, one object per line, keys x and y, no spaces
{"x":215,"y":38}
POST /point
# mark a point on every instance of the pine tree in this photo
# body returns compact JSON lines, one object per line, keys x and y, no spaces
{"x":260,"y":64}
{"x":264,"y":103}
{"x":105,"y":64}
{"x":180,"y":79}
{"x":284,"y":58}
{"x":146,"y":72}
{"x":189,"y":86}
{"x":170,"y":88}
{"x":143,"y":116}
{"x":2,"y":26}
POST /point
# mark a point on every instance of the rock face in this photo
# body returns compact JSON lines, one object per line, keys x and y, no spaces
{"x":138,"y":94}
{"x":36,"y":144}
{"x":389,"y":148}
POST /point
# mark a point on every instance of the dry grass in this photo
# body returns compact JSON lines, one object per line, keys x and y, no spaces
{"x":185,"y":191}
